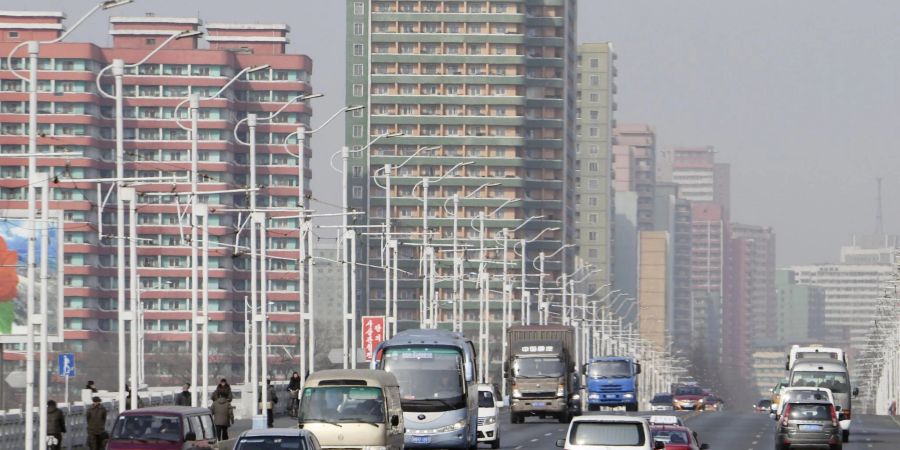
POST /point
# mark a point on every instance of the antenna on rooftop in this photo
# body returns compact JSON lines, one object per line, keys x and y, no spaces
{"x":879,"y":216}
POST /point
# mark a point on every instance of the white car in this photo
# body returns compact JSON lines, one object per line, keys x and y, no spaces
{"x":488,"y":415}
{"x":798,"y":394}
{"x":609,"y":433}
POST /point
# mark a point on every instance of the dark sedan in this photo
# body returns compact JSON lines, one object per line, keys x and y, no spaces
{"x":808,"y":424}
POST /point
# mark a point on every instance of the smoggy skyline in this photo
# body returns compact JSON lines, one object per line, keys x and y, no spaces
{"x":799,"y":97}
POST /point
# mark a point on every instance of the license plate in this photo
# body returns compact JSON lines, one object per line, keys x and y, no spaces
{"x":538,"y":404}
{"x":421,"y":439}
{"x":810,"y":427}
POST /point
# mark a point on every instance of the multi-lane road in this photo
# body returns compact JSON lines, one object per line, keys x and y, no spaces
{"x":727,"y":430}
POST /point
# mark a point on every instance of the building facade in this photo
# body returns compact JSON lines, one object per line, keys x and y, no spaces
{"x":72,"y":116}
{"x":488,"y":88}
{"x":593,"y":130}
{"x":800,"y":311}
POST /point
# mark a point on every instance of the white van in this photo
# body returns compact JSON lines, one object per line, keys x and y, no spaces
{"x":830,"y":374}
{"x":353,"y":409}
{"x":801,"y":352}
{"x":609,"y":433}
{"x":488,"y":415}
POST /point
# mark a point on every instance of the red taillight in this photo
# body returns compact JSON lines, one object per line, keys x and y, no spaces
{"x":785,"y":415}
{"x":834,"y":417}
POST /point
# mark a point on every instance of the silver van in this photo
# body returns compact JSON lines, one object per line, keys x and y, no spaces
{"x":353,"y":409}
{"x":830,"y":374}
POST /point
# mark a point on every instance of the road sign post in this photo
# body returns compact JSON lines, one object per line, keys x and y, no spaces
{"x":373,"y":334}
{"x":66,"y":366}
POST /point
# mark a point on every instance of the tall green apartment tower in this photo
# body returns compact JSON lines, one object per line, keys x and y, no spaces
{"x":489,"y":84}
{"x":594,"y":125}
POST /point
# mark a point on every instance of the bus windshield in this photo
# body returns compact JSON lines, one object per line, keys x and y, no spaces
{"x":836,"y":381}
{"x":342,"y":404}
{"x":431,"y":379}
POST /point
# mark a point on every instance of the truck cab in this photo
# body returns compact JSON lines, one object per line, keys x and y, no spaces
{"x":612,"y":381}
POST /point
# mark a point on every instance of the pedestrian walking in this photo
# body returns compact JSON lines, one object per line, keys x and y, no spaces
{"x":223,"y":389}
{"x":271,"y":400}
{"x":56,"y":426}
{"x":140,"y":403}
{"x":223,"y":417}
{"x":96,"y":425}
{"x":183,"y":398}
{"x":294,"y":391}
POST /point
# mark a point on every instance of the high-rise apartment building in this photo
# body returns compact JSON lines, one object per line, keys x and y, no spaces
{"x":654,"y":283}
{"x":800,"y":312}
{"x":695,"y":169}
{"x":486,"y":87}
{"x":852,"y":293}
{"x":634,"y":165}
{"x":673,"y":215}
{"x":709,"y":227}
{"x":72,"y":116}
{"x":593,"y":130}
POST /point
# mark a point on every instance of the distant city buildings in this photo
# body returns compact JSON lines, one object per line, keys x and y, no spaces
{"x":595,"y":108}
{"x":73,"y":117}
{"x":484,"y":96}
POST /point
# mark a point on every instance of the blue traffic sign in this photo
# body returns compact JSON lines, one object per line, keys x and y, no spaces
{"x":66,"y":365}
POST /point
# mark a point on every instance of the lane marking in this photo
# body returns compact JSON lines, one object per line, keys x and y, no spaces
{"x":534,"y":440}
{"x":517,"y":448}
{"x":753,"y":443}
{"x":547,"y":434}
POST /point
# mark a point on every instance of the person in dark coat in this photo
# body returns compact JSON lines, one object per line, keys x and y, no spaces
{"x":223,"y":390}
{"x":272,"y":399}
{"x":56,"y":425}
{"x":294,"y":390}
{"x":184,"y":397}
{"x":223,"y":417}
{"x":91,"y":386}
{"x":96,"y":425}
{"x":140,"y":403}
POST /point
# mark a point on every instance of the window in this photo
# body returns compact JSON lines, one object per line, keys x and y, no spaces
{"x":357,"y":90}
{"x":358,"y":29}
{"x":595,"y":80}
{"x":358,"y":8}
{"x":357,"y":171}
{"x":150,"y":41}
{"x":13,"y":34}
{"x":357,"y":192}
{"x":357,"y":131}
{"x":357,"y":49}
{"x":357,"y":70}
{"x":595,"y":63}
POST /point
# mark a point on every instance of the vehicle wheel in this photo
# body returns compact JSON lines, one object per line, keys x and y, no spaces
{"x":495,"y":443}
{"x":513,"y":418}
{"x":836,"y":447}
{"x":631,"y":407}
{"x":845,"y":436}
{"x":564,"y":417}
{"x":593,"y":407}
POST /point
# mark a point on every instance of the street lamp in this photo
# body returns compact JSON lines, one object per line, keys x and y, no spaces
{"x":391,"y":248}
{"x":542,"y":257}
{"x":526,"y":299}
{"x":33,"y":48}
{"x":427,"y":259}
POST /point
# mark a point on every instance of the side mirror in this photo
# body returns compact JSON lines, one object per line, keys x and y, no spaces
{"x":855,"y":392}
{"x":505,"y":370}
{"x":837,"y":408}
{"x":772,"y":416}
{"x":190,"y":436}
{"x":637,"y":369}
{"x":470,"y":371}
{"x":704,"y":446}
{"x":659,"y":445}
{"x":754,"y":406}
{"x":560,"y":443}
{"x":498,"y":404}
{"x":395,"y":420}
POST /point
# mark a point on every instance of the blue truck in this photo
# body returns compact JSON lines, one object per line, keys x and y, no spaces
{"x":612,"y":381}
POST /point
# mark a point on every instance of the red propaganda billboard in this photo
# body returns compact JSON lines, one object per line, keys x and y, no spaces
{"x":372,"y":334}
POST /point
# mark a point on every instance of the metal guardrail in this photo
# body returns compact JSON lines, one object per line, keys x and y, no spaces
{"x":12,"y":422}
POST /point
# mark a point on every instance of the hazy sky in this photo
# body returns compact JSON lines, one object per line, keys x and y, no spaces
{"x":799,"y":96}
